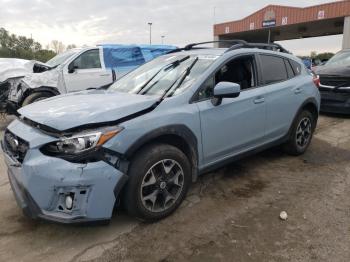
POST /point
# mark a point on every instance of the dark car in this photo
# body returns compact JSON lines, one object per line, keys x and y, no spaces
{"x":335,"y":83}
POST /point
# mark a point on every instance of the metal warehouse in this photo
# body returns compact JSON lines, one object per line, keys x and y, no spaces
{"x":276,"y":23}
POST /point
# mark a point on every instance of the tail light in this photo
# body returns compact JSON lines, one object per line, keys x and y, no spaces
{"x":316,"y":80}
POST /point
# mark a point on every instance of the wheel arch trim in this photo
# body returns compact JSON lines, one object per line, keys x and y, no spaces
{"x":180,"y":131}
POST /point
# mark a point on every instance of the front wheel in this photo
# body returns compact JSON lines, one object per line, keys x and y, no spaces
{"x":159,"y":178}
{"x":301,"y":133}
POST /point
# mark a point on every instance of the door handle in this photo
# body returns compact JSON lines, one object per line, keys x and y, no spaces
{"x":298,"y":90}
{"x":259,"y":100}
{"x":104,"y":75}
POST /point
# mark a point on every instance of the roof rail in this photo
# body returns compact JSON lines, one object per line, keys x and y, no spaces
{"x":236,"y":44}
{"x":193,"y":45}
{"x":272,"y":46}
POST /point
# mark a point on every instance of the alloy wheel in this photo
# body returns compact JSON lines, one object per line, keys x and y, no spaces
{"x":304,"y":132}
{"x":162,"y":185}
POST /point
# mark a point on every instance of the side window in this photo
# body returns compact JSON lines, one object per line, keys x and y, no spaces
{"x":296,"y":67}
{"x":241,"y":70}
{"x":273,"y":69}
{"x":289,"y":68}
{"x":89,"y":59}
{"x":206,"y":90}
{"x":123,"y":57}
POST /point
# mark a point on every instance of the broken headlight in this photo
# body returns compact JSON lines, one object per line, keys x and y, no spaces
{"x":79,"y":146}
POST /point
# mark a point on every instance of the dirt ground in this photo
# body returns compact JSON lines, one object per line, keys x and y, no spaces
{"x":229,"y":215}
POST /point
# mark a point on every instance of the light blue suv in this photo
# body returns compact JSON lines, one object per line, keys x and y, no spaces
{"x":149,"y":135}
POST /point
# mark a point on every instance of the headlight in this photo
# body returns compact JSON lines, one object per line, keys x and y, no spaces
{"x":80,"y":144}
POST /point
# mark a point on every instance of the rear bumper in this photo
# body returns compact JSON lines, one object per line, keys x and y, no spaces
{"x":332,"y":102}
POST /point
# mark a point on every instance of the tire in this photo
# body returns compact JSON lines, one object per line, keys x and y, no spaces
{"x":36,"y":97}
{"x":299,"y":142}
{"x":152,"y":202}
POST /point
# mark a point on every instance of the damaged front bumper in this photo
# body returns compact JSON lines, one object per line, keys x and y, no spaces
{"x":42,"y":184}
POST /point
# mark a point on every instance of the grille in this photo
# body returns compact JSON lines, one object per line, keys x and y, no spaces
{"x":15,"y":146}
{"x":335,"y":81}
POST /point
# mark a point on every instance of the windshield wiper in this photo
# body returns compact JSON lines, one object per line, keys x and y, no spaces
{"x":166,"y":67}
{"x":182,"y":78}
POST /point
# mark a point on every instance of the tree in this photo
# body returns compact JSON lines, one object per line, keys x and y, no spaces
{"x":57,"y":46}
{"x":14,"y":46}
{"x":71,"y":46}
{"x":54,"y":45}
{"x":313,"y":54}
{"x":325,"y":56}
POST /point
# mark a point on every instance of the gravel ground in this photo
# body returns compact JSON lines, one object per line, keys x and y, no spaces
{"x":229,"y":215}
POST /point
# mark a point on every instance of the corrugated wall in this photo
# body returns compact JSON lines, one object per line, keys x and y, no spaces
{"x":294,"y":15}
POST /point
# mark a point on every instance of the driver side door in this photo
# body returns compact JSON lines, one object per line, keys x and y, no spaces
{"x":237,"y":124}
{"x":86,"y":71}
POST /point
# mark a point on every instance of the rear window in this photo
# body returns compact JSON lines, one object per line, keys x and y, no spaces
{"x":273,"y":69}
{"x":289,"y":68}
{"x":296,"y":67}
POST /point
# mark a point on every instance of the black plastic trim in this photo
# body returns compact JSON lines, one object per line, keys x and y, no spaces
{"x":243,"y":155}
{"x":181,"y":131}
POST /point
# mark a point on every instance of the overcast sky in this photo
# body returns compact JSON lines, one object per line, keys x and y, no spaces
{"x":113,"y":21}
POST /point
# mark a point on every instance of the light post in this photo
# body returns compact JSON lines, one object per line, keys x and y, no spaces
{"x":162,"y":39}
{"x":150,"y":33}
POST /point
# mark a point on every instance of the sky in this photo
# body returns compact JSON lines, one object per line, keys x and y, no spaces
{"x":90,"y":22}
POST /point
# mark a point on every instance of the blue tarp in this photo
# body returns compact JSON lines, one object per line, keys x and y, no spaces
{"x":119,"y":56}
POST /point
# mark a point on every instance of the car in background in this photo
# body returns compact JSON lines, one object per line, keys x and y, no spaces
{"x":334,"y":79}
{"x":81,"y":68}
{"x":11,"y":72}
{"x":147,"y":137}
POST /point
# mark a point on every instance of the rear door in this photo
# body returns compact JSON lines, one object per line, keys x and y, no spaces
{"x":89,"y":72}
{"x":283,"y":94}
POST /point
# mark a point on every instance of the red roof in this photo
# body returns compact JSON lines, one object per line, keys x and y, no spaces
{"x":288,"y":14}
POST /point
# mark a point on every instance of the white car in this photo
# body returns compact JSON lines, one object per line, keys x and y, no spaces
{"x":79,"y":69}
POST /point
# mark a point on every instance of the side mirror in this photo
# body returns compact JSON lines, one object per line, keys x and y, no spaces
{"x":72,"y":68}
{"x":225,"y":90}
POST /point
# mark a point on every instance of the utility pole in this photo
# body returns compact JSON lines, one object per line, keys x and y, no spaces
{"x":162,"y":39}
{"x":150,"y":33}
{"x":214,"y":15}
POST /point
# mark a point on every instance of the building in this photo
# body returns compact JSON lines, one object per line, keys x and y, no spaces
{"x":276,"y":23}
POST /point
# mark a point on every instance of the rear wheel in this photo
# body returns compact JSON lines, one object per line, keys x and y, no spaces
{"x":301,"y":133}
{"x":36,"y":97}
{"x":159,"y":178}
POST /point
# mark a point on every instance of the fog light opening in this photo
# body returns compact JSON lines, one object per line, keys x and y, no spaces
{"x":69,"y":201}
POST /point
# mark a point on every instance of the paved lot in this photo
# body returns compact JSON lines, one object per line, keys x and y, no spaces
{"x":230,"y":215}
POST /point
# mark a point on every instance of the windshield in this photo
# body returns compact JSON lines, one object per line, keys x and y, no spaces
{"x":60,"y":58}
{"x":162,"y":73}
{"x":340,"y":59}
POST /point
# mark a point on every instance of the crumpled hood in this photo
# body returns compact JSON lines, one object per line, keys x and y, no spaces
{"x":87,"y":107}
{"x":12,"y":67}
{"x":343,"y":71}
{"x":47,"y":78}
